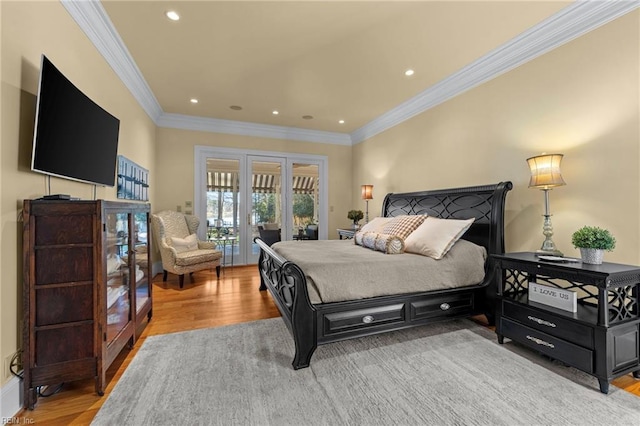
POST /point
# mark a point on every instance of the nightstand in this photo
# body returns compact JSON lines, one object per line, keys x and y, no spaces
{"x":602,"y":338}
{"x":347,"y":234}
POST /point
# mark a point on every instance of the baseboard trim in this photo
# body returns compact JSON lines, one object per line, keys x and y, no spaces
{"x":10,"y":399}
{"x":156,"y":268}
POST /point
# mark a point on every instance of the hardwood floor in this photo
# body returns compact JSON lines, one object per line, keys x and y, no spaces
{"x":204,"y":303}
{"x":207,"y":302}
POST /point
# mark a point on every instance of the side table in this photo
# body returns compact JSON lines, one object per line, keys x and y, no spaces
{"x":222,"y":243}
{"x":602,"y":338}
{"x":347,"y":234}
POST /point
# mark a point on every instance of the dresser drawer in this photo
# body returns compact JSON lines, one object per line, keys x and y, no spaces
{"x":341,"y":322}
{"x":551,"y":324}
{"x":561,"y":350}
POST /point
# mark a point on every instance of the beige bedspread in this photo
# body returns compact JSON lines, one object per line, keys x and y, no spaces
{"x":339,"y":270}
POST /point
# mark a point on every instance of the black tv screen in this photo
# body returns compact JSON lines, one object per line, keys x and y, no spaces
{"x":74,"y":137}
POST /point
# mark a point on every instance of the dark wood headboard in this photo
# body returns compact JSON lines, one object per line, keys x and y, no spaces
{"x":485,"y":203}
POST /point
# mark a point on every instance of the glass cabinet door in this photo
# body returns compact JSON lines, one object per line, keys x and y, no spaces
{"x":118,"y":292}
{"x":141,"y":269}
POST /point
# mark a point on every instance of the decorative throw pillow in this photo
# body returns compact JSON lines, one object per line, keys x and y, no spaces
{"x":389,"y":244}
{"x":185,"y":244}
{"x":435,"y":237}
{"x":403,"y":225}
{"x":376,"y":224}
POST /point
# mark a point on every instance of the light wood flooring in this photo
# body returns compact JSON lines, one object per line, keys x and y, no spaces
{"x":207,"y":302}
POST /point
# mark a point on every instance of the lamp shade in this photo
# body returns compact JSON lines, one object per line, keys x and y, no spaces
{"x":545,"y":171}
{"x":367,"y":192}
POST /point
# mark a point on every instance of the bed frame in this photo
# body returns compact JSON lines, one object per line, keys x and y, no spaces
{"x":313,"y":325}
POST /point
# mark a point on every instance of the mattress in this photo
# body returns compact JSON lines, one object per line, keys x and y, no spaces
{"x":339,"y":270}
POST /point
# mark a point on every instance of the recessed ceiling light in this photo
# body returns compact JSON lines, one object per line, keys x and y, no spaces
{"x":173,"y":15}
{"x":341,"y":121}
{"x":193,"y":100}
{"x":307,"y":117}
{"x":235,"y":107}
{"x":409,"y":72}
{"x":275,"y":112}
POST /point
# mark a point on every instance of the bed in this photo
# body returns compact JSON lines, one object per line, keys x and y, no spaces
{"x":316,"y":322}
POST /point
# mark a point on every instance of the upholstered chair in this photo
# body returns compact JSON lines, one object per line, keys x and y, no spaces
{"x":181,"y":250}
{"x":312,"y":232}
{"x":269,"y":234}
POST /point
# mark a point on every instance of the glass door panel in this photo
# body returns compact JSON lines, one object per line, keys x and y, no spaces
{"x":141,"y":248}
{"x":223,"y":207}
{"x":305,"y":200}
{"x":118,"y":297}
{"x":265,"y":218}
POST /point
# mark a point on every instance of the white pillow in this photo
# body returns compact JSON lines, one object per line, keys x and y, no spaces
{"x":375,"y":225}
{"x":435,"y":237}
{"x":185,"y":244}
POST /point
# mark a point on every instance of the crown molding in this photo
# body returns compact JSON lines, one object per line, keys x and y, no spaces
{"x":216,"y":125}
{"x":569,"y":23}
{"x":94,"y":21}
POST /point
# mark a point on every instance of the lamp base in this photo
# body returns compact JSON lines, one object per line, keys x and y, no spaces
{"x":549,"y":253}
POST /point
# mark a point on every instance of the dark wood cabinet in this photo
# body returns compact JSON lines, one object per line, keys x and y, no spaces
{"x":601,"y":338}
{"x":87,"y":288}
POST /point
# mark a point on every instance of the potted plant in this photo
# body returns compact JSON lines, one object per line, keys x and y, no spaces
{"x":592,"y":242}
{"x":355,"y":216}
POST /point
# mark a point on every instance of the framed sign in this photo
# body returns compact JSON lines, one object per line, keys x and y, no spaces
{"x":133,"y":180}
{"x":556,"y":297}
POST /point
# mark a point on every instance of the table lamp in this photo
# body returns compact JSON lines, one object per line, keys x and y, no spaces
{"x":545,"y":174}
{"x":367,"y":194}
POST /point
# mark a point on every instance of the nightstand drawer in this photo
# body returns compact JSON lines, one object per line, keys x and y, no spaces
{"x":551,"y":324}
{"x":561,"y":350}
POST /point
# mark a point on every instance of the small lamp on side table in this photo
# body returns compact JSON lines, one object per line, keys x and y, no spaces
{"x":367,"y":194}
{"x":545,"y":174}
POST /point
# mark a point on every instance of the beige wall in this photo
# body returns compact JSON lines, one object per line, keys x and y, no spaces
{"x":175,"y":168}
{"x":28,"y":30}
{"x":580,"y":100}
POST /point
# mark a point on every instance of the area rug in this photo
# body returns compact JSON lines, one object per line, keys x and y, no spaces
{"x":451,"y":373}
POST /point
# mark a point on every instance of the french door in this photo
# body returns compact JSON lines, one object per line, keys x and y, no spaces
{"x":239,"y":191}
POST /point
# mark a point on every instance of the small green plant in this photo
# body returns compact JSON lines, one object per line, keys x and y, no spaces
{"x":355,"y":215}
{"x":593,"y":237}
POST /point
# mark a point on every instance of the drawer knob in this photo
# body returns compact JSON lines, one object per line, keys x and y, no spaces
{"x":445,"y":306}
{"x":541,"y":321}
{"x":541,"y":342}
{"x":367,"y":319}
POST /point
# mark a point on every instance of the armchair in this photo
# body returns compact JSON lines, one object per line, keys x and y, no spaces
{"x":180,"y":249}
{"x":269,"y":236}
{"x":312,"y":232}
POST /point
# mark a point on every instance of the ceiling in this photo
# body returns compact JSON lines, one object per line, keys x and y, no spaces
{"x":330,"y":60}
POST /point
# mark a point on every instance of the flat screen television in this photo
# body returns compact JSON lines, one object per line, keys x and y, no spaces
{"x":74,"y":137}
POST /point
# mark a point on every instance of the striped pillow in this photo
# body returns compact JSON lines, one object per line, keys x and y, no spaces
{"x":389,"y":244}
{"x":404,"y":225}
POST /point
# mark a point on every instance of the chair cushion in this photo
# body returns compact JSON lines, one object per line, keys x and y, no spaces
{"x":195,"y":257}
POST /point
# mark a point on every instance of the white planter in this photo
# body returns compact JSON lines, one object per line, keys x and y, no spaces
{"x":592,"y":256}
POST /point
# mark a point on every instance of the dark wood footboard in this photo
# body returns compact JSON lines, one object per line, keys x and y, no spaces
{"x":312,"y":325}
{"x":288,"y":286}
